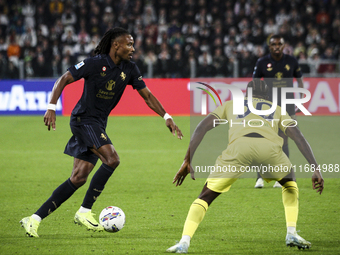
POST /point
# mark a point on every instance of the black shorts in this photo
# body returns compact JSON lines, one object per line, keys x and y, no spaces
{"x":85,"y":137}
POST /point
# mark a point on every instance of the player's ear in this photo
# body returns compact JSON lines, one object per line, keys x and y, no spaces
{"x":115,"y":44}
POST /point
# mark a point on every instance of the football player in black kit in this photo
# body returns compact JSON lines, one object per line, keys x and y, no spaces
{"x":278,"y":70}
{"x":106,"y":76}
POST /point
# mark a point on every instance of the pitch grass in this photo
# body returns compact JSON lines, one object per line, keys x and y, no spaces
{"x":242,"y":221}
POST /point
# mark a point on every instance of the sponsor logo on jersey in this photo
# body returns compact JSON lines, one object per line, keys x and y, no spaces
{"x":279,"y":75}
{"x":110,"y":85}
{"x":140,"y":78}
{"x":287,"y":67}
{"x":79,"y":65}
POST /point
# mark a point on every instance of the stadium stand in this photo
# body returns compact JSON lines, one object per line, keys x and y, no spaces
{"x":173,"y":38}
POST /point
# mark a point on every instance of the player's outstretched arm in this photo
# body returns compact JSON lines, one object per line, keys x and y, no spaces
{"x":59,"y":85}
{"x":304,"y":147}
{"x":157,"y":107}
{"x":202,"y":128}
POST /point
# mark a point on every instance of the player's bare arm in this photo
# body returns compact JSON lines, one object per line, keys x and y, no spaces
{"x":59,"y":85}
{"x":202,"y":128}
{"x":304,"y":147}
{"x":157,"y":107}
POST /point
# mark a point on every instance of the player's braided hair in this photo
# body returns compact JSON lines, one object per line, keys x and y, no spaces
{"x":260,"y":88}
{"x":104,"y":45}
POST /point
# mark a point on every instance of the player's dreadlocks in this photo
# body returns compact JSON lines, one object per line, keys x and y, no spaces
{"x":260,"y":88}
{"x":104,"y":45}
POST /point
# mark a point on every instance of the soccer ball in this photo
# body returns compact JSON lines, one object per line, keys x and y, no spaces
{"x":112,"y":218}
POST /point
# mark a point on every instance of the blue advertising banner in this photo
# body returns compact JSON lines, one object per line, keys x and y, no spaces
{"x":19,"y":97}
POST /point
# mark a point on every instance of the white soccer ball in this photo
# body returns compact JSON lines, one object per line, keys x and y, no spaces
{"x":112,"y":218}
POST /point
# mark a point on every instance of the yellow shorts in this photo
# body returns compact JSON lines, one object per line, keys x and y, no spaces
{"x":248,"y":154}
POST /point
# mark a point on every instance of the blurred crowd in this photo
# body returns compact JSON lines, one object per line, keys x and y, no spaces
{"x":176,"y":38}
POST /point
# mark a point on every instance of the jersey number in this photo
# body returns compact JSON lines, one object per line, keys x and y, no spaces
{"x":258,"y":107}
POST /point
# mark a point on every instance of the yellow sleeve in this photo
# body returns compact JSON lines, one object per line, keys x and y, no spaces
{"x":220,"y":112}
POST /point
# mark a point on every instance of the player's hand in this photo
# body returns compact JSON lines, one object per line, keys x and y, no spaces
{"x":49,"y":119}
{"x":317,"y":182}
{"x":173,"y":128}
{"x":184,"y":170}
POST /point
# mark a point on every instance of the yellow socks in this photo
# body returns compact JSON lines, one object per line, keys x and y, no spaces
{"x":195,"y":215}
{"x":290,"y":199}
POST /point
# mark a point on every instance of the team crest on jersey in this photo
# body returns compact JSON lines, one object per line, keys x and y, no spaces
{"x":103,"y":73}
{"x":279,"y":75}
{"x":123,"y":75}
{"x":110,"y":85}
{"x":287,"y":67}
{"x":269,"y":67}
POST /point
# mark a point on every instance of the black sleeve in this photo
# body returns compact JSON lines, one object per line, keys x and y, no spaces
{"x":81,"y":70}
{"x":136,"y":79}
{"x":297,"y":70}
{"x":257,"y":70}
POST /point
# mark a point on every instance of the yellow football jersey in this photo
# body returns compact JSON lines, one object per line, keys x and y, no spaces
{"x":265,"y":125}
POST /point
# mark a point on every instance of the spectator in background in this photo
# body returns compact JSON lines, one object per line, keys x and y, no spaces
{"x":232,"y":35}
{"x":247,"y":63}
{"x":176,"y":38}
{"x":69,"y":18}
{"x":149,"y":15}
{"x":313,"y":36}
{"x":230,"y":49}
{"x":205,"y":70}
{"x":164,"y":64}
{"x":270,"y":27}
{"x":3,"y":46}
{"x":94,"y":27}
{"x":288,"y":49}
{"x":56,"y":8}
{"x":3,"y":67}
{"x":66,"y":62}
{"x":12,"y":71}
{"x":205,"y":57}
{"x":302,"y":57}
{"x":178,"y":67}
{"x":28,"y":71}
{"x":322,"y":17}
{"x":13,"y":50}
{"x":29,"y":37}
{"x":300,"y":47}
{"x":28,"y":10}
{"x":41,"y":67}
{"x":68,"y":38}
{"x":245,"y":45}
{"x":220,"y":63}
{"x":328,"y":54}
{"x":79,"y":50}
{"x":258,"y":51}
{"x":56,"y":66}
{"x":151,"y":59}
{"x":138,"y":58}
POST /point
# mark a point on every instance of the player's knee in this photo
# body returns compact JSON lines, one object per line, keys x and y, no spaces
{"x":78,"y":180}
{"x":113,"y":162}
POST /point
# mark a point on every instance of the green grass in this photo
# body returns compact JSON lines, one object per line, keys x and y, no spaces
{"x":242,"y":221}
